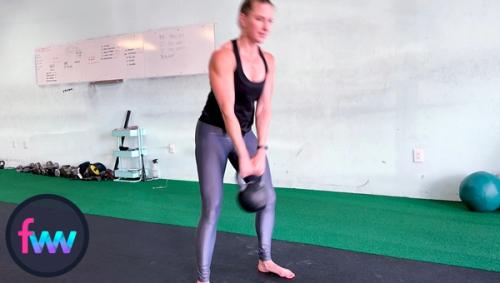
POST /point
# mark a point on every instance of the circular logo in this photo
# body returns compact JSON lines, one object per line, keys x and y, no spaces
{"x":47,"y":235}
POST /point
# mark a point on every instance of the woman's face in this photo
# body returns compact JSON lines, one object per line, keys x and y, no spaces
{"x":257,"y":23}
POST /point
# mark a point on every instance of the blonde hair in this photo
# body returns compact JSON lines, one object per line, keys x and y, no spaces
{"x":246,"y":6}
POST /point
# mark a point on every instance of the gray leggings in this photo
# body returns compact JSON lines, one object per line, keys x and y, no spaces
{"x":213,"y":148}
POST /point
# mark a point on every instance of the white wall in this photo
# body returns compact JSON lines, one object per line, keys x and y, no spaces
{"x":359,"y":85}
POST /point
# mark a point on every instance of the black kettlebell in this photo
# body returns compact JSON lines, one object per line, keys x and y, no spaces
{"x":252,"y":196}
{"x":2,"y":164}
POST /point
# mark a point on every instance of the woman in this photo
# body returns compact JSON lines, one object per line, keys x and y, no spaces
{"x":240,"y":74}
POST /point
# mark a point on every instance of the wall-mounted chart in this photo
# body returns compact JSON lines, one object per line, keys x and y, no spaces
{"x":178,"y":51}
{"x":155,"y":53}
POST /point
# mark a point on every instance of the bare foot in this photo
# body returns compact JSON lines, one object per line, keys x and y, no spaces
{"x":270,"y":266}
{"x":198,"y":281}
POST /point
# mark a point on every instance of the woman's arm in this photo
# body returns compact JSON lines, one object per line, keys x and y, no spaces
{"x":263,"y":116}
{"x":221,"y":70}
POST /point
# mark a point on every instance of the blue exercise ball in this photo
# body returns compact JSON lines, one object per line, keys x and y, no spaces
{"x":480,"y":191}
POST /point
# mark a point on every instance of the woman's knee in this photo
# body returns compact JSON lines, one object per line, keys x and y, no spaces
{"x":211,"y":213}
{"x":271,"y":196}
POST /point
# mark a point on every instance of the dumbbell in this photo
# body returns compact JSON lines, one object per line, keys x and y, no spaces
{"x":65,"y":171}
{"x":52,"y":168}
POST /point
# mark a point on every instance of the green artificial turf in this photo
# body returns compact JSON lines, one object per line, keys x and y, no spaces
{"x":425,"y":230}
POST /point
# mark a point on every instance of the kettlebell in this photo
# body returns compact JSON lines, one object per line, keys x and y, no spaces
{"x":252,"y":196}
{"x":2,"y":164}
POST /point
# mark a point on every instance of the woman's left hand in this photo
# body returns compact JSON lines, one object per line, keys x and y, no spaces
{"x":259,"y":162}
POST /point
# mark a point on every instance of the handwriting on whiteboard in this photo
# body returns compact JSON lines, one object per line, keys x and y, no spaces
{"x":154,"y":53}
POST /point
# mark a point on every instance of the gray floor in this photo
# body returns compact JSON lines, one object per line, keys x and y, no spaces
{"x":130,"y":251}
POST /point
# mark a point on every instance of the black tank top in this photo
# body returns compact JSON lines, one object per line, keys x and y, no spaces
{"x":246,"y":93}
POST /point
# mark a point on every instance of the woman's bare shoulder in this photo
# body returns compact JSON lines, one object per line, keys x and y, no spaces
{"x":224,"y":55}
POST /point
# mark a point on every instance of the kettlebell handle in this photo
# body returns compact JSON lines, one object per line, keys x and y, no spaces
{"x":242,"y":182}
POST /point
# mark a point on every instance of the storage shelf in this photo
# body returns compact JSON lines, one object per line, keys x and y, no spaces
{"x":134,"y":136}
{"x":129,"y":132}
{"x":128,"y":173}
{"x":130,"y":153}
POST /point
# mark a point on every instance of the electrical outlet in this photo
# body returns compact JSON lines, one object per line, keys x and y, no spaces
{"x":418,"y":155}
{"x":171,"y":148}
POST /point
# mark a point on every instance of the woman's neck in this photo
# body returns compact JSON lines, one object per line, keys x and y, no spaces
{"x":247,"y":46}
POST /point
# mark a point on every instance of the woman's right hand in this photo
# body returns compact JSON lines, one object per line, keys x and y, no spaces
{"x":246,"y":167}
{"x":255,"y":166}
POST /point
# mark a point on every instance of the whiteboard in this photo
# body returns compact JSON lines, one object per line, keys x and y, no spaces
{"x":155,"y":53}
{"x":110,"y":58}
{"x":49,"y":64}
{"x":178,"y":51}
